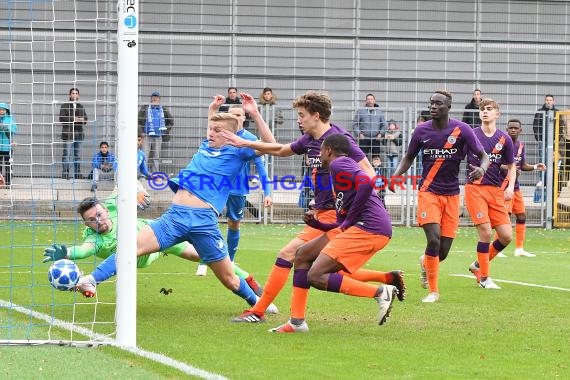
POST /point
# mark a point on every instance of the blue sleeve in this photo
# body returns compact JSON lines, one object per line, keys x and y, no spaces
{"x":143,"y":168}
{"x":96,"y":163}
{"x":260,"y":166}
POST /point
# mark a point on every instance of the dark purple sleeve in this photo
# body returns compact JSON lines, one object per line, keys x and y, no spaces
{"x":299,"y":146}
{"x":322,"y":226}
{"x":415,"y":145}
{"x":472,"y":141}
{"x":362,"y":193}
{"x":355,"y":152}
{"x":509,"y":156}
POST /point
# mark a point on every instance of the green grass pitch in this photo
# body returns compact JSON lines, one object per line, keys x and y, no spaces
{"x":520,"y":331}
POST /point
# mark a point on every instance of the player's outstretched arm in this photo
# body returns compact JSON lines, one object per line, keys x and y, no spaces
{"x":275,"y":149}
{"x":76,"y":252}
{"x":215,"y":105}
{"x":403,"y":167}
{"x":530,"y":167}
{"x":250,"y":106}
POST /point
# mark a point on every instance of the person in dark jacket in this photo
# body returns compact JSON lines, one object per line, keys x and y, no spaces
{"x":369,"y":127}
{"x":73,"y":118}
{"x":472,"y":117}
{"x":541,"y":125}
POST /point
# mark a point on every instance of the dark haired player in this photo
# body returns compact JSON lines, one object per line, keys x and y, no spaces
{"x":365,"y":228}
{"x":443,"y":142}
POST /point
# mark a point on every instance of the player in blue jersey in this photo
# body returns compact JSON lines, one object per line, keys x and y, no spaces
{"x":235,"y":206}
{"x":201,"y":191}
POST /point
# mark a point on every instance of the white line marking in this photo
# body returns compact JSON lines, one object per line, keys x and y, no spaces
{"x":517,"y":283}
{"x":160,"y":358}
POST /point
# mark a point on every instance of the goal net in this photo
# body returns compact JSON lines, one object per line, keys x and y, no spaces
{"x":48,"y":48}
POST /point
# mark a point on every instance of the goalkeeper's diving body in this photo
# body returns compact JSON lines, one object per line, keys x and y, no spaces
{"x":100,"y":239}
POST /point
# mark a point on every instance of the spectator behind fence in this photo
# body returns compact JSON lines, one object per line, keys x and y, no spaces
{"x":393,"y":139}
{"x":369,"y":126}
{"x":8,"y":129}
{"x":472,"y":117}
{"x":273,"y":116}
{"x":231,"y":99}
{"x":73,"y":118}
{"x":155,"y":124}
{"x":541,"y":126}
{"x":103,"y":162}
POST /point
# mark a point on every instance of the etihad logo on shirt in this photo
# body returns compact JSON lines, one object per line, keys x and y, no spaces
{"x":443,"y":152}
{"x":495,"y":157}
{"x":314,"y":162}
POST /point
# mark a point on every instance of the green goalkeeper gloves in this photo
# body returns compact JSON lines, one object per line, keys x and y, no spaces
{"x":54,"y":253}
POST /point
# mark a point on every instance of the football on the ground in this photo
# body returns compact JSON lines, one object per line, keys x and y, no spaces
{"x":63,"y":274}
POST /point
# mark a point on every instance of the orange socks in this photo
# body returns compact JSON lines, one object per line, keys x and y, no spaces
{"x":520,"y":232}
{"x":431,"y":265}
{"x":276,"y":281}
{"x":367,"y":275}
{"x":357,"y":288}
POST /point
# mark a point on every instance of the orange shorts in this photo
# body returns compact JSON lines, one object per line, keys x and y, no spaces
{"x":325,"y":216}
{"x":516,"y":205}
{"x":486,"y":204}
{"x":439,"y":209}
{"x":354,"y":247}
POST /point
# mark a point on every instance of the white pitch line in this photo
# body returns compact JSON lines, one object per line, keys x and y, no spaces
{"x":517,"y":283}
{"x":99,"y":338}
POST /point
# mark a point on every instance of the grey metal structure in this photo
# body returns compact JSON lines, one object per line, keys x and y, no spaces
{"x":400,"y":50}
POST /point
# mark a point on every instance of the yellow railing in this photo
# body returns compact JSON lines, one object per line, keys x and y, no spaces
{"x":561,"y":209}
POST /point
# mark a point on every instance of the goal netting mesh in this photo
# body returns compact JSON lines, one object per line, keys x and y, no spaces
{"x":47,"y":48}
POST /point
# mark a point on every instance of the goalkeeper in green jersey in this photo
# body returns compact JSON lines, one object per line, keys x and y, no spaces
{"x":100,"y":239}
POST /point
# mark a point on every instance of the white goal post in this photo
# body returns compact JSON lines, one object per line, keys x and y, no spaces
{"x":48,"y":48}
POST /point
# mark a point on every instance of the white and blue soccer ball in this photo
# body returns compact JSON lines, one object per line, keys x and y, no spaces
{"x":64,"y":274}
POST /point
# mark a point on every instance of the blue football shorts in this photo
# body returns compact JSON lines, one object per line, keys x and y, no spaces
{"x":198,"y":226}
{"x":235,"y":207}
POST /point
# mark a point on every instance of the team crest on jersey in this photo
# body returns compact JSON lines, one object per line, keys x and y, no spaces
{"x":451,"y":139}
{"x":423,"y":215}
{"x":498,"y":146}
{"x":480,"y":215}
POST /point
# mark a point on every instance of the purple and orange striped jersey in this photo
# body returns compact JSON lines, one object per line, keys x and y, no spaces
{"x":346,"y":176}
{"x":306,"y":144}
{"x":499,"y":148}
{"x":442,"y":151}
